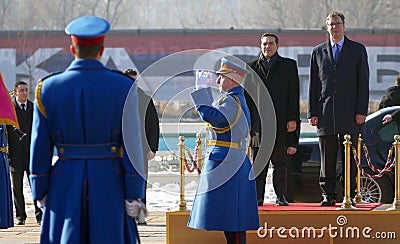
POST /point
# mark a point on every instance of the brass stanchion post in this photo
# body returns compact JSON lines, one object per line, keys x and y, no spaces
{"x":248,"y":152}
{"x":358,"y":197}
{"x":182,"y":202}
{"x":396,"y":201}
{"x":199,"y":151}
{"x":346,"y":201}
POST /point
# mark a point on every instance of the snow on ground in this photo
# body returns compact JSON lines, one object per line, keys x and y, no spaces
{"x":166,"y":197}
{"x":163,"y":191}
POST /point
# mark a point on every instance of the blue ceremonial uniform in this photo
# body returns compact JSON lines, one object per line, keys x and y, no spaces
{"x":87,"y":186}
{"x":226,"y":196}
{"x":6,"y":207}
{"x":80,"y":112}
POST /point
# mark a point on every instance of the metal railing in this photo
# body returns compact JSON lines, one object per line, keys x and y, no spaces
{"x":197,"y":163}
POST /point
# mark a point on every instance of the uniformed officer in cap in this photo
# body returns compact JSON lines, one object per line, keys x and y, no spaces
{"x":89,"y":191}
{"x":226,"y":195}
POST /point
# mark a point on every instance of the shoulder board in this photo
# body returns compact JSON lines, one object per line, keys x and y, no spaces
{"x":50,"y":75}
{"x":233,"y":93}
{"x":117,"y":71}
{"x":38,"y":93}
{"x":120,"y":72}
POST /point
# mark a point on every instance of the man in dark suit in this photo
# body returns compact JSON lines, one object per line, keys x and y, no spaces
{"x":150,"y":127}
{"x":392,"y":95}
{"x":19,"y":150}
{"x":338,"y":100}
{"x":280,"y":76}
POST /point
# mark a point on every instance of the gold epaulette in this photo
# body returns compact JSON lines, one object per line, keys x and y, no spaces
{"x":38,"y":92}
{"x":39,"y":99}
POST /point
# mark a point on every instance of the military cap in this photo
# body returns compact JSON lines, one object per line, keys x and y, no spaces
{"x":87,"y":30}
{"x":232,"y":70}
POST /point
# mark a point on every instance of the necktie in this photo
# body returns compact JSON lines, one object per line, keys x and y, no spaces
{"x":23,"y":107}
{"x":336,"y":56}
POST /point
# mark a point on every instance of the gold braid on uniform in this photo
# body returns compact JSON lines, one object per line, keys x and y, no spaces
{"x":4,"y":149}
{"x":230,"y":126}
{"x":39,"y":100}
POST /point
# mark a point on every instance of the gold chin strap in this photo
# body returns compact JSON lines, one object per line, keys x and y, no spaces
{"x":229,"y":127}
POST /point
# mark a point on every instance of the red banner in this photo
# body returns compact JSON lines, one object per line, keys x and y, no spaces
{"x":7,"y":111}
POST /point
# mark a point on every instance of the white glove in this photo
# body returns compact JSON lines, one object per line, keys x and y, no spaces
{"x":42,"y":202}
{"x":135,"y":208}
{"x":203,"y":79}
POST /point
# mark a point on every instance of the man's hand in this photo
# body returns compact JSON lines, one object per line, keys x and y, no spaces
{"x":291,"y":126}
{"x":387,"y":119}
{"x":203,"y":79}
{"x":150,"y":155}
{"x":291,"y":150}
{"x":360,"y":119}
{"x":313,"y":120}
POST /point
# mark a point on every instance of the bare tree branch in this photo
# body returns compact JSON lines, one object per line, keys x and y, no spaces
{"x":35,"y":15}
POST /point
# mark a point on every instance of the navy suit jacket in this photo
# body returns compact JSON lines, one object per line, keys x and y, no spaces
{"x":282,"y":83}
{"x":337,"y":92}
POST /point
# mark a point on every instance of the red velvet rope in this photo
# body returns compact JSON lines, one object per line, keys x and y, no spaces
{"x":194,"y":162}
{"x":390,"y":163}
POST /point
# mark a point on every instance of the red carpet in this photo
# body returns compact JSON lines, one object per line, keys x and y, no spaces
{"x":313,"y":207}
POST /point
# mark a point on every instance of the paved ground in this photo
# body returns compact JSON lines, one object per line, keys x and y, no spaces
{"x":152,"y":233}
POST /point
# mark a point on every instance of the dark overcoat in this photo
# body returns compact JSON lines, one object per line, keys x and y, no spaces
{"x":149,"y":121}
{"x":337,"y":92}
{"x":282,"y":82}
{"x":391,"y":98}
{"x":19,"y":150}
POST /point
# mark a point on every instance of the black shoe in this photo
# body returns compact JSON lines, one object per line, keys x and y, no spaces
{"x":39,"y":222}
{"x":260,"y":202}
{"x":21,"y":222}
{"x":281,"y":201}
{"x":328,"y":202}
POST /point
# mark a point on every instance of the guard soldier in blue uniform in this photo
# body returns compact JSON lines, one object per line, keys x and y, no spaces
{"x":93,"y":188}
{"x":226,"y":197}
{"x":6,"y":208}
